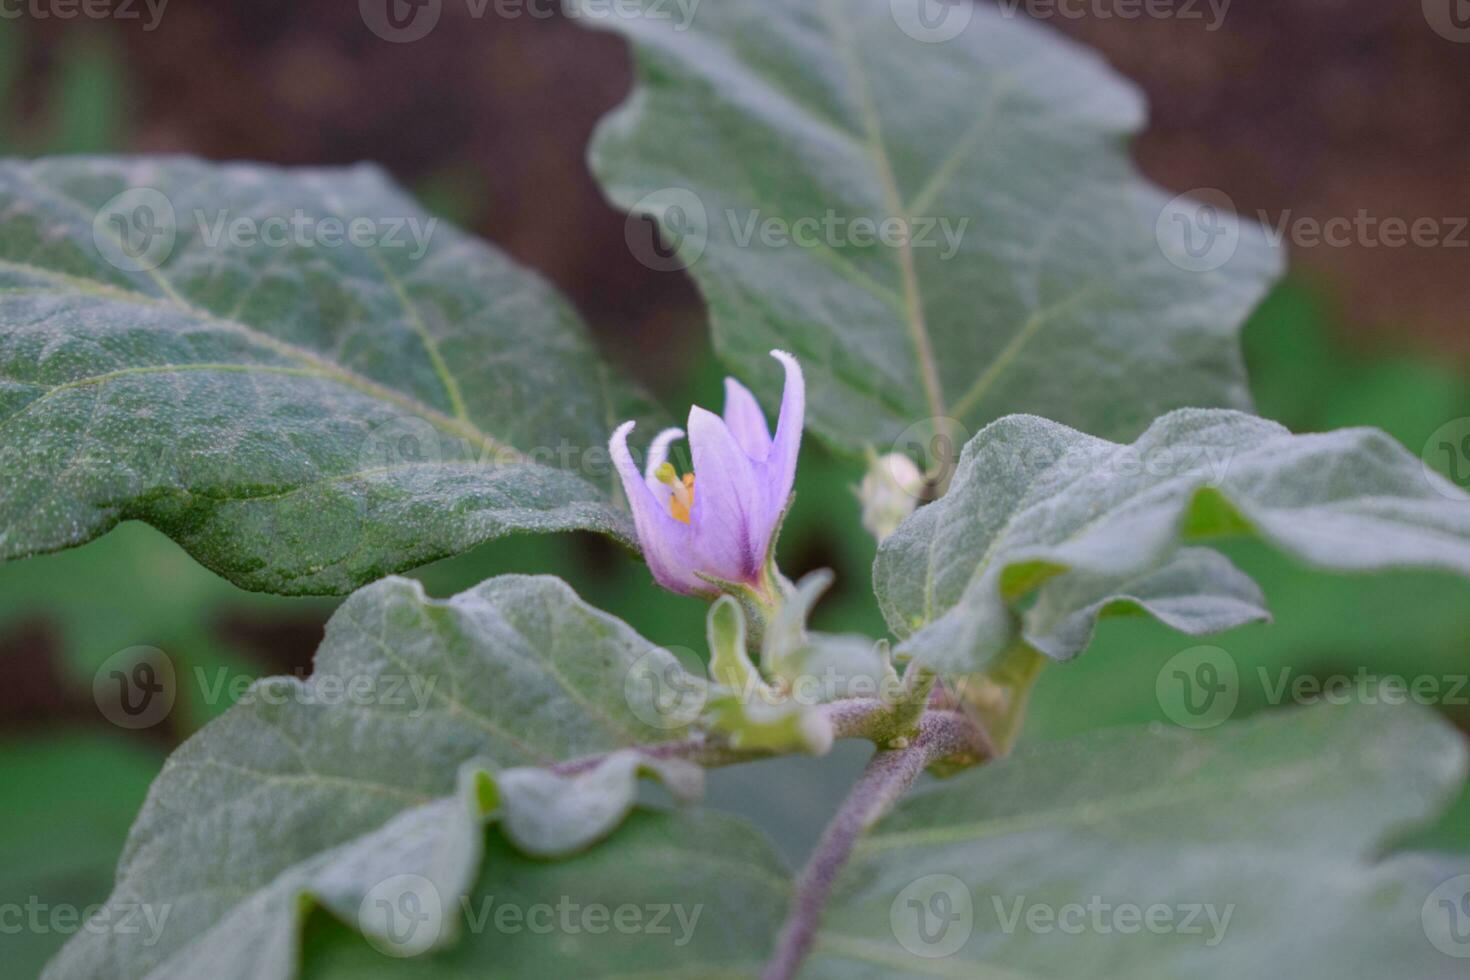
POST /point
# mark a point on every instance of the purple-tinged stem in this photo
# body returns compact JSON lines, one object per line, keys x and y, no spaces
{"x":888,"y":776}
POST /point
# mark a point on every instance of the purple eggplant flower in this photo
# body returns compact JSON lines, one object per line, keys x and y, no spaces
{"x":723,"y":529}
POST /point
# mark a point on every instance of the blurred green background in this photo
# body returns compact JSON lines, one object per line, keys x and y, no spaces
{"x":70,"y":782}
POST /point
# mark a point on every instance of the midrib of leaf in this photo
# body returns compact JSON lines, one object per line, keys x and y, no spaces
{"x":918,"y":329}
{"x":321,"y":367}
{"x":912,"y":299}
{"x":426,"y":338}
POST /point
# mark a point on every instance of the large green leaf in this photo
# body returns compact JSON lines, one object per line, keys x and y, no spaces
{"x":1070,"y":291}
{"x":1041,"y":511}
{"x":412,"y":729}
{"x":1259,"y":847}
{"x":1280,"y":822}
{"x":303,"y":411}
{"x":707,"y":892}
{"x":1386,"y":624}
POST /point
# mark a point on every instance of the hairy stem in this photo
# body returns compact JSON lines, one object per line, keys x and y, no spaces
{"x":888,"y":776}
{"x":851,"y":718}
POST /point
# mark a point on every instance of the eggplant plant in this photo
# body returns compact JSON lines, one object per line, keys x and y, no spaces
{"x":923,"y":247}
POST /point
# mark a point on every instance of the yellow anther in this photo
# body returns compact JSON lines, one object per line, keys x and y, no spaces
{"x":682,"y":500}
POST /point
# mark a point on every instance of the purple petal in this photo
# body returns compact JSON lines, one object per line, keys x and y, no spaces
{"x":665,"y":541}
{"x":746,"y":420}
{"x":779,"y":470}
{"x":658,"y":454}
{"x":726,"y":495}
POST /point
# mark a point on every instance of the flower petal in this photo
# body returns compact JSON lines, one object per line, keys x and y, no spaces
{"x":746,"y":420}
{"x":726,"y":495}
{"x":665,"y":541}
{"x":779,"y":470}
{"x":658,"y":454}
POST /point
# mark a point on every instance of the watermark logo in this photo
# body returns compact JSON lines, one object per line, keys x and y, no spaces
{"x":1103,"y":917}
{"x":136,"y":230}
{"x":402,"y":915}
{"x":1446,"y":917}
{"x":936,"y":444}
{"x":300,"y":229}
{"x":410,"y":693}
{"x":1213,"y":12}
{"x":87,"y":9}
{"x":1364,"y":229}
{"x":1198,"y":688}
{"x":932,"y":21}
{"x":834,"y":231}
{"x":1364,"y":687}
{"x":1447,"y":454}
{"x":1198,"y":230}
{"x":1450,"y":19}
{"x":661,"y":693}
{"x":568,"y":917}
{"x":144,"y":920}
{"x":668,"y":229}
{"x":933,"y":916}
{"x":404,"y":21}
{"x":400,"y":21}
{"x":135,"y":688}
{"x":405,"y":448}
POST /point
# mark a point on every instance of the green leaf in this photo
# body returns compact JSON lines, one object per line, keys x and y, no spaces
{"x":1040,"y":511}
{"x":1134,"y":818}
{"x":1280,"y":823}
{"x":302,"y":416}
{"x":1197,"y":592}
{"x":546,"y":814}
{"x":701,"y":895}
{"x":1064,"y":290}
{"x":384,"y":763}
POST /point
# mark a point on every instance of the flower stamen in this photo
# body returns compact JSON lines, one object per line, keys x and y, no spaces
{"x":682,"y":500}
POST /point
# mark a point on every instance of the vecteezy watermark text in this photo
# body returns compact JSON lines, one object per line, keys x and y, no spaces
{"x":121,"y":919}
{"x":404,"y":21}
{"x":303,"y":230}
{"x":933,"y":916}
{"x":670,"y":228}
{"x":834,"y":230}
{"x":139,"y":229}
{"x":1200,"y":231}
{"x":409,"y":691}
{"x":1213,"y":12}
{"x":406,"y":915}
{"x":86,"y":9}
{"x":1201,"y":687}
{"x":594,"y":918}
{"x":1104,"y":918}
